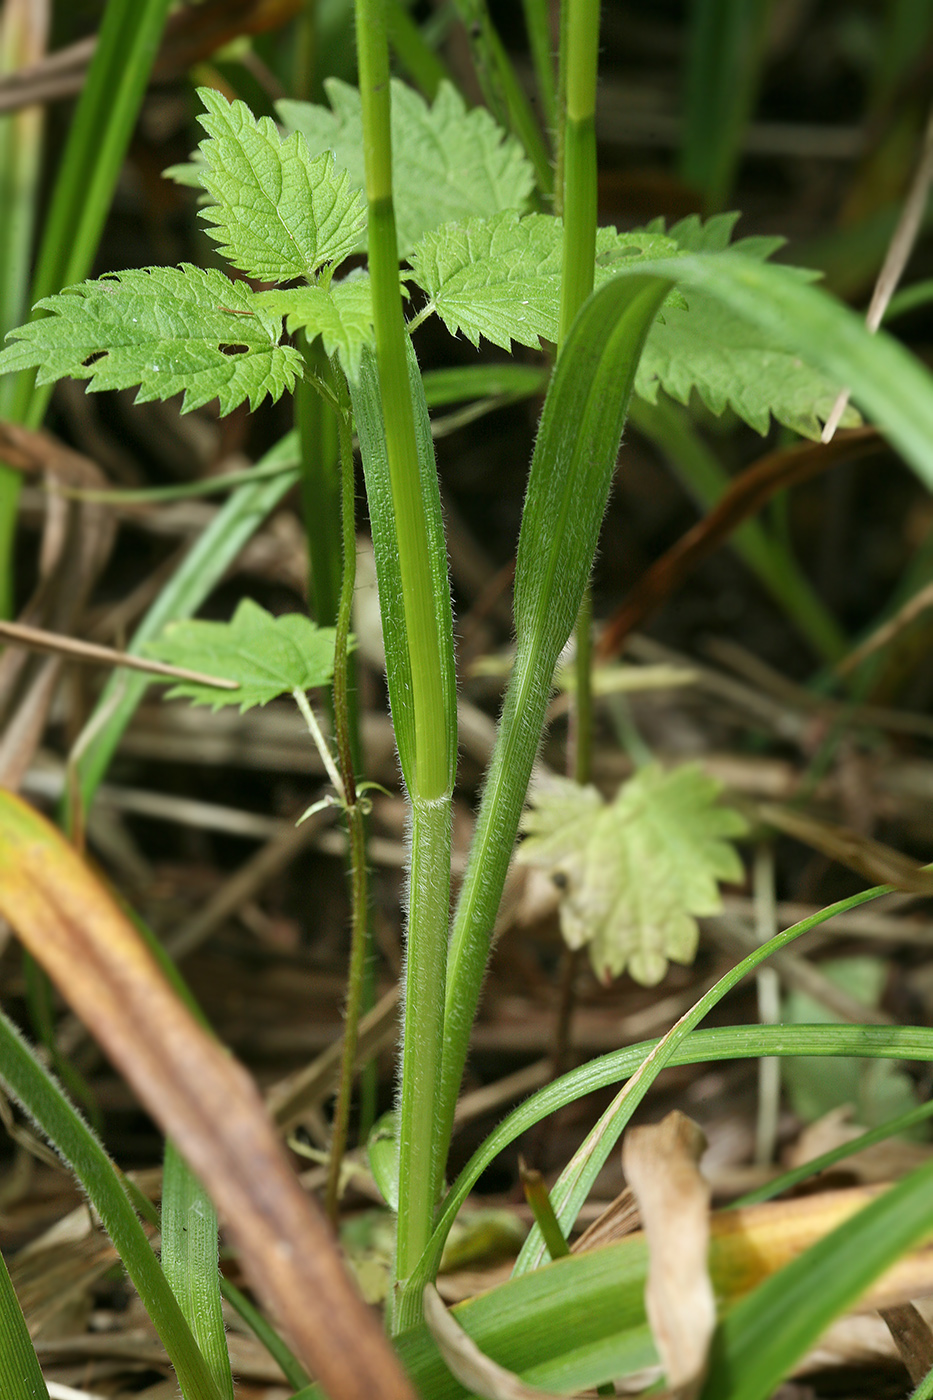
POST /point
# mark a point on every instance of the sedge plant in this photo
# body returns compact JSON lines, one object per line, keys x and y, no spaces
{"x":644,"y":312}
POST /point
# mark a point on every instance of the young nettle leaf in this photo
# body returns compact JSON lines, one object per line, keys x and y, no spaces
{"x":167,"y":329}
{"x":268,"y":656}
{"x":279,"y":213}
{"x":500,"y":277}
{"x":341,"y":314}
{"x":635,"y":872}
{"x":448,"y":162}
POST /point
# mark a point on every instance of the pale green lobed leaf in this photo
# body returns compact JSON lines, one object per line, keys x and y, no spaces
{"x":341,"y":314}
{"x":278,"y":213}
{"x":635,"y":873}
{"x":167,"y":329}
{"x":268,"y":656}
{"x":500,"y":277}
{"x":448,"y":162}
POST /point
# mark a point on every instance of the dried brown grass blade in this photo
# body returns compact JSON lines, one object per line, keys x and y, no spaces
{"x":912,"y":1337}
{"x":660,"y":1163}
{"x":873,"y":860}
{"x":206,"y":1102}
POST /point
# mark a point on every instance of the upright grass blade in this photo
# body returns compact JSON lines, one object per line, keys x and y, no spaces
{"x":316,"y":424}
{"x":189,"y":1262}
{"x":429,"y":890}
{"x":20,"y":1374}
{"x":725,"y":51}
{"x":729,"y":1043}
{"x":760,"y":1339}
{"x":538,"y":25}
{"x":87,"y":174}
{"x":571,"y":470}
{"x":412,"y":567}
{"x":32,"y":1086}
{"x":23,"y":33}
{"x":234,"y":524}
{"x":501,"y":88}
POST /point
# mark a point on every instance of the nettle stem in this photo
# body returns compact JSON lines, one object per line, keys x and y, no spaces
{"x":427,"y":713}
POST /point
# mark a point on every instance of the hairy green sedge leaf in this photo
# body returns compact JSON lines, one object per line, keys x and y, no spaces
{"x":367,"y":411}
{"x":500,"y":277}
{"x":268,"y":656}
{"x":341,"y":314}
{"x":634,"y":873}
{"x":278,"y":214}
{"x":168,"y":329}
{"x":448,"y":162}
{"x":568,"y":486}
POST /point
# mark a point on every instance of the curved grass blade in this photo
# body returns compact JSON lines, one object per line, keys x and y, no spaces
{"x":574,"y":458}
{"x":610,"y":1069}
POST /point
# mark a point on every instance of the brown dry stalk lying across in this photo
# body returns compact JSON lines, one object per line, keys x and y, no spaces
{"x":201,"y":1098}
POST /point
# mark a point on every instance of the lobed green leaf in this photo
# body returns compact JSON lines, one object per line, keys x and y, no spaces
{"x":168,"y":329}
{"x":633,"y":873}
{"x":341,"y":314}
{"x":500,"y":277}
{"x":279,"y":213}
{"x":448,"y":162}
{"x":268,"y":656}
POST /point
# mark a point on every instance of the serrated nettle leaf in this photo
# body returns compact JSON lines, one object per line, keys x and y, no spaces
{"x":341,"y":314}
{"x":268,"y":656}
{"x":448,"y":162}
{"x":279,"y":213}
{"x":708,"y":348}
{"x":167,"y":329}
{"x":633,"y":873}
{"x":500,"y":277}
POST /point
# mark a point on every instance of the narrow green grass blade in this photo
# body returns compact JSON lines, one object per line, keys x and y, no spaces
{"x":190,"y":1263}
{"x":759,"y":1341}
{"x":20,"y":1373}
{"x":316,"y":423}
{"x":23,"y":28}
{"x":367,"y":413}
{"x":538,"y":24}
{"x":414,"y":53}
{"x":576,"y":1180}
{"x":724,"y":56}
{"x":443,"y":387}
{"x":292,"y":1369}
{"x":234,"y":524}
{"x":788,"y":1180}
{"x":32,"y":1087}
{"x":571,"y":470}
